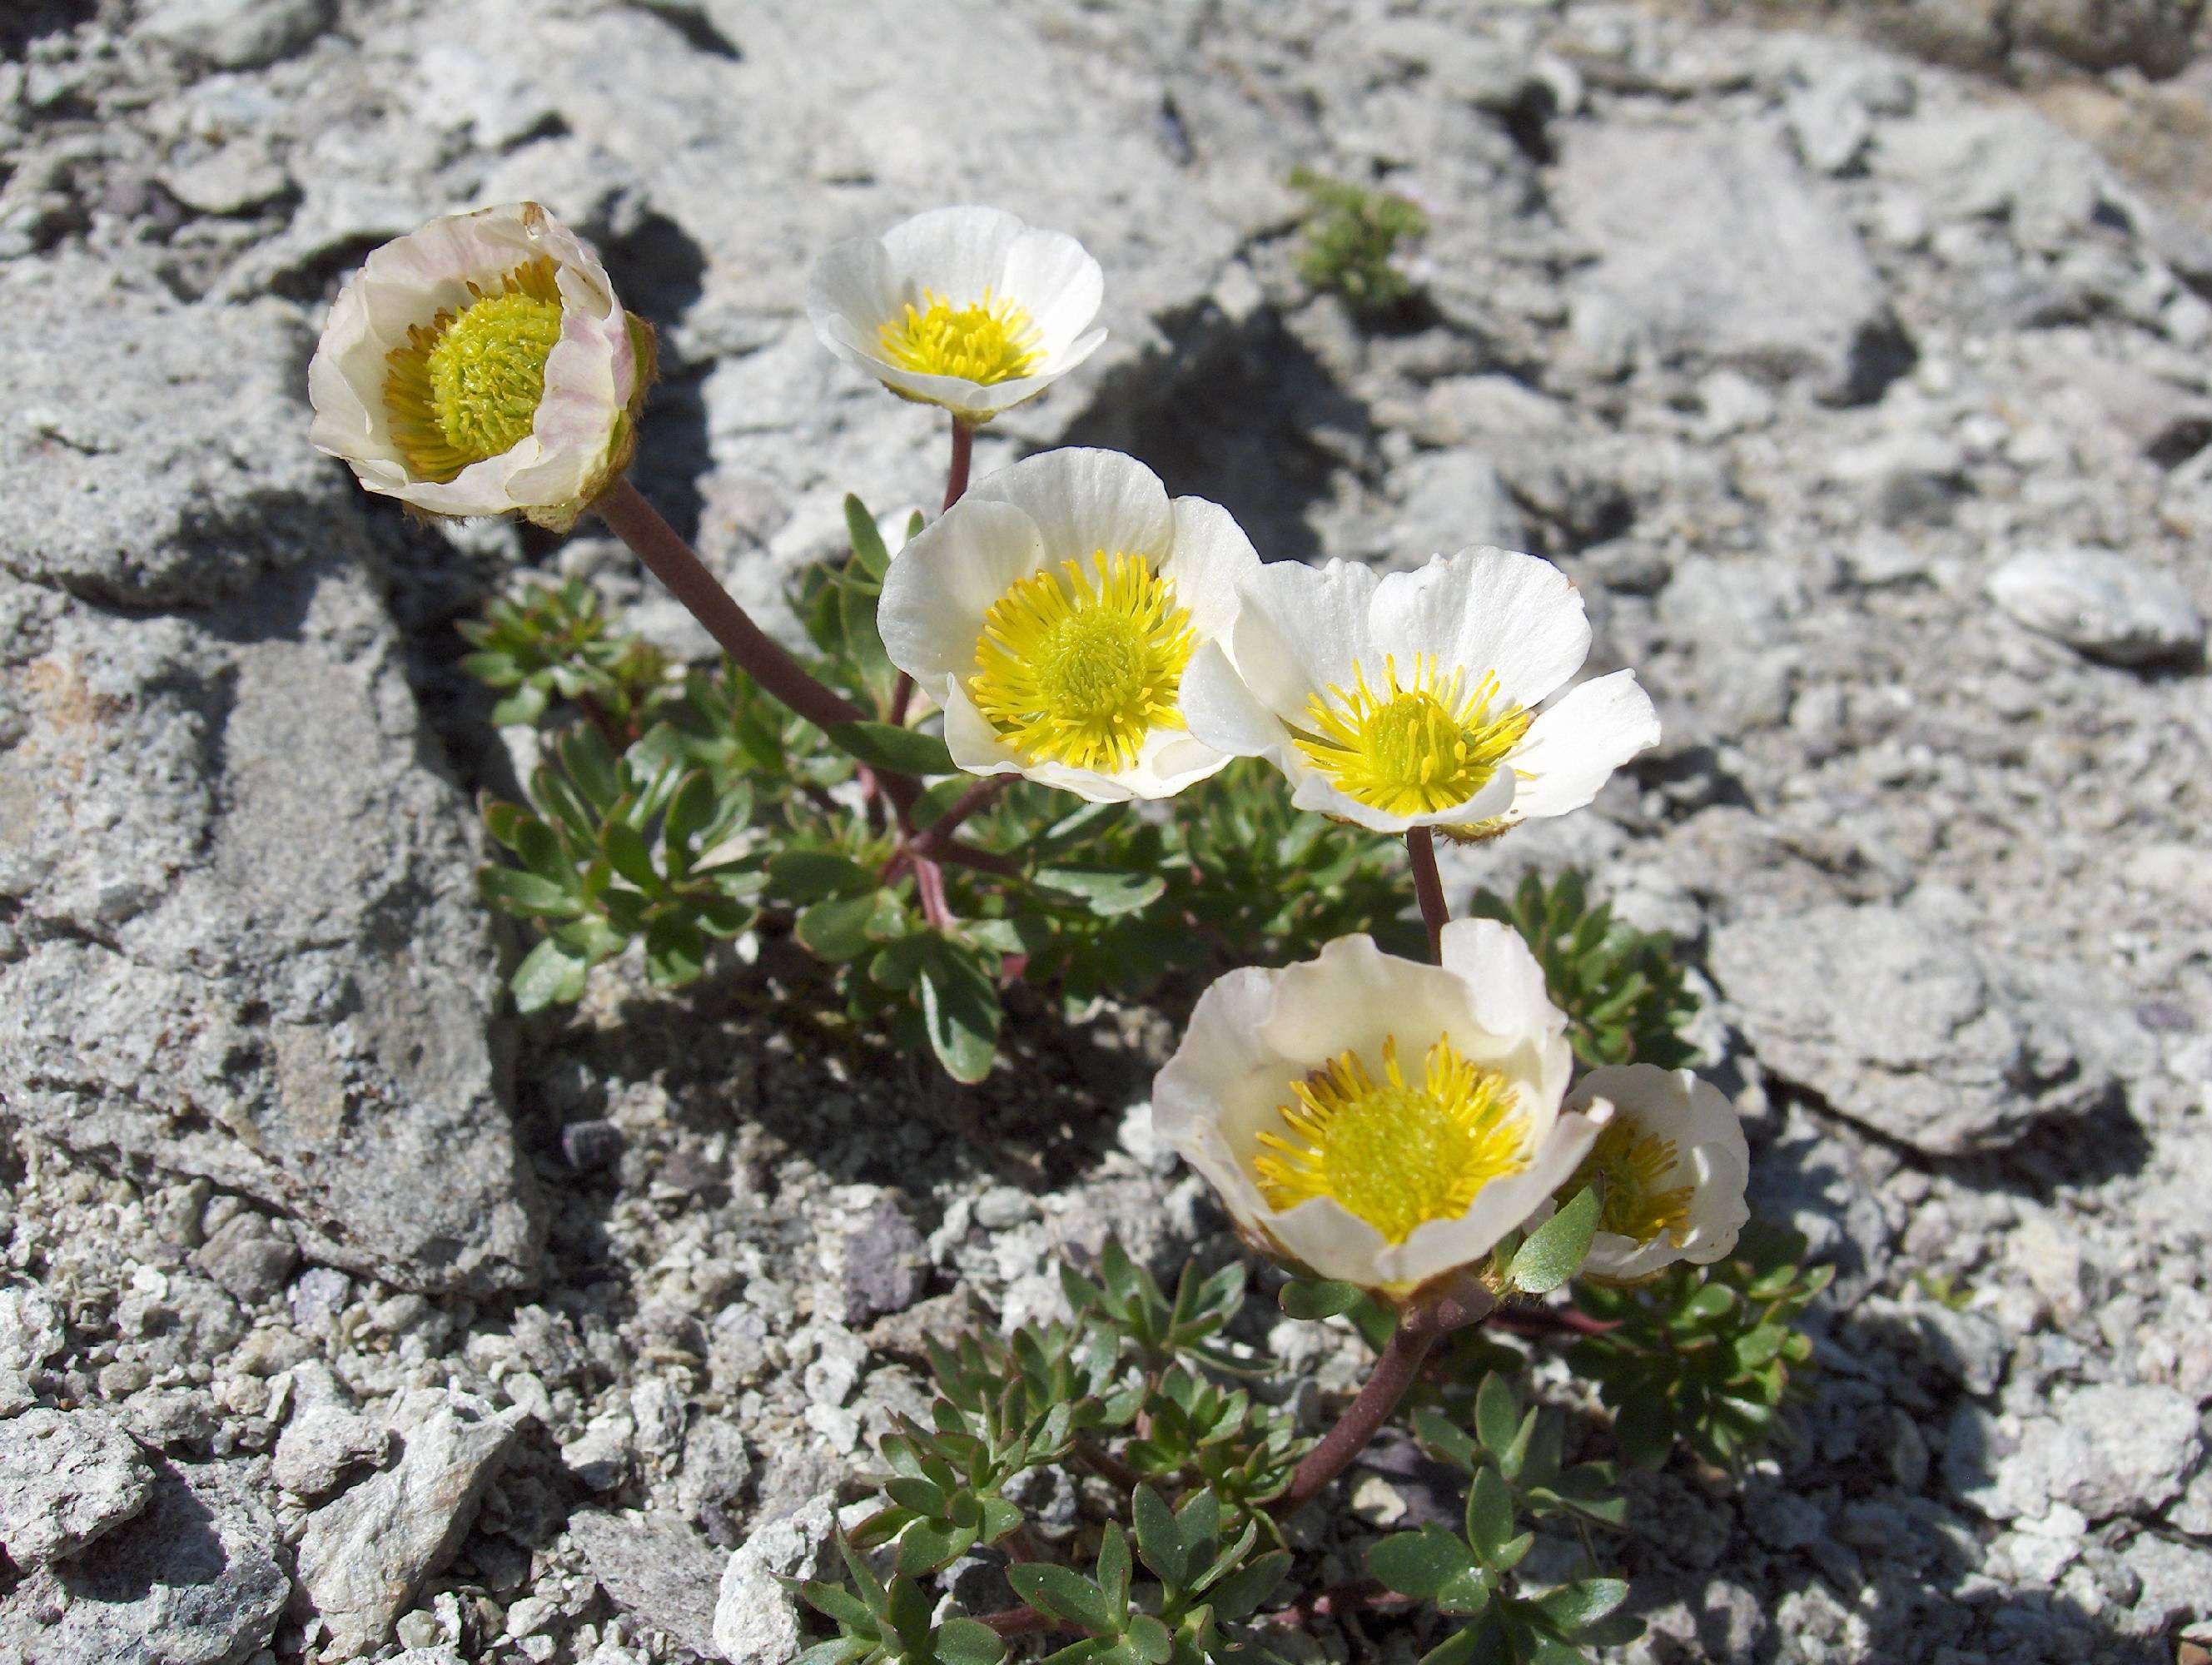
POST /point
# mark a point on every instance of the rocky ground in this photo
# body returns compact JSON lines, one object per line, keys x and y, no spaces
{"x":1858,"y":371}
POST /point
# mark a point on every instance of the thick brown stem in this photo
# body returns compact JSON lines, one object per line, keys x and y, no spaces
{"x":1421,"y":847}
{"x":1551,"y":1320}
{"x":1419,"y":1327}
{"x":1362,"y":1596}
{"x":670,"y":560}
{"x":963,"y":453}
{"x":1108,"y":1467}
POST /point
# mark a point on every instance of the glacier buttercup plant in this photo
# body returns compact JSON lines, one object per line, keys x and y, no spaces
{"x":1411,"y":701}
{"x":1381,"y":1122}
{"x":1051,"y":612}
{"x":969,"y":308}
{"x":483,"y":365}
{"x":1671,"y":1167}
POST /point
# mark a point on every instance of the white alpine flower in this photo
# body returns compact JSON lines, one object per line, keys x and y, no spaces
{"x":966,"y":307}
{"x":1410,"y":701}
{"x":483,"y":365}
{"x":1672,"y":1165}
{"x":1051,"y":611}
{"x":1380,"y":1120}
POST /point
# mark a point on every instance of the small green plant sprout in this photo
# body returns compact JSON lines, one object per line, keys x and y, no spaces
{"x":1075,"y":737}
{"x":1356,"y":240}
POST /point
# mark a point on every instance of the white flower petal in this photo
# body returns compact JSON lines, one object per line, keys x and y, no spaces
{"x":1211,"y":557}
{"x":1487,"y":609}
{"x":1301,"y":629}
{"x":1222,"y":712}
{"x":1083,"y":501}
{"x":937,"y":593}
{"x":1057,"y":284}
{"x":954,"y":253}
{"x":1577,"y":742}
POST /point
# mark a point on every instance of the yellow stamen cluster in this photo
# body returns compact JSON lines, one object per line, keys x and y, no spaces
{"x":1394,"y":1152}
{"x":466,"y":385}
{"x":1412,"y":748}
{"x":988,"y":341}
{"x":1080,"y":667}
{"x":1629,"y":1166}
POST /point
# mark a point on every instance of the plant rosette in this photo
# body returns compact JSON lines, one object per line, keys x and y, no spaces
{"x":971,"y":308}
{"x":1411,"y":700}
{"x":482,"y":365}
{"x":1381,"y":1122}
{"x":1051,"y":612}
{"x":1671,"y":1166}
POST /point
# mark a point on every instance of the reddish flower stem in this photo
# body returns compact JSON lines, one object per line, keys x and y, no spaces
{"x":1551,"y":1320}
{"x":1419,"y":1327}
{"x":1019,"y":1621}
{"x":1421,"y":848}
{"x":670,"y":560}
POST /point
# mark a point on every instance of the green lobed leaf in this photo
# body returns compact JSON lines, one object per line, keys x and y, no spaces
{"x":867,"y":540}
{"x":1106,"y":891}
{"x":1488,"y":1513}
{"x":1318,"y":1297}
{"x":968,"y":1642}
{"x":1418,"y":1564}
{"x":1063,"y":1593}
{"x":1555,"y":1250}
{"x":960,"y":1010}
{"x":887,"y":746}
{"x":549,"y":975}
{"x":1571,"y":1607}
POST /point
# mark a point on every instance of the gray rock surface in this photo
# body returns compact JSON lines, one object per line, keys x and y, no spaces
{"x":363,"y":1554}
{"x":1896,"y":1023}
{"x":1796,"y":294}
{"x":218,"y":830}
{"x":756,"y":1618}
{"x":656,"y":1567}
{"x":195,"y":1579}
{"x":66,"y":1478}
{"x":1782,"y":344}
{"x":2102,"y":604}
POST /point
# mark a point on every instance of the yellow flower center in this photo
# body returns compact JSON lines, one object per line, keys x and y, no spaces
{"x":1411,"y":749}
{"x":991,"y":340}
{"x":1080,"y":667}
{"x":1394,"y":1153}
{"x":466,"y":385}
{"x":1630,"y":1166}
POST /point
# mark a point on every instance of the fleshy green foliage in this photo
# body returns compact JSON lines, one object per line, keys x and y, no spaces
{"x":1352,"y":236}
{"x":1102,"y":901}
{"x":1512,"y":1459}
{"x":557,"y":643}
{"x":614,"y":849}
{"x":1701,"y":1357}
{"x":1178,"y":1558}
{"x":1624,"y":996}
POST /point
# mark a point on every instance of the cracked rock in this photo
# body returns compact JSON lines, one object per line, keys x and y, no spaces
{"x":66,"y":1478}
{"x":363,"y":1555}
{"x":756,"y":1618}
{"x":193,"y":1580}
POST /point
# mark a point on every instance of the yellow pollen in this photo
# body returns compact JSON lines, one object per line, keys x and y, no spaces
{"x":1412,"y":748}
{"x":1630,"y":1167}
{"x":990,"y":341}
{"x":466,"y":385}
{"x":1080,"y":667}
{"x":1395,"y":1154}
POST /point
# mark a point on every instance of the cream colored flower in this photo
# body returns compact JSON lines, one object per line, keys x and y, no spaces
{"x":1051,"y":611}
{"x":1673,"y":1165}
{"x":483,"y":365}
{"x":965,"y":307}
{"x":1380,"y":1120}
{"x":1410,"y":701}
